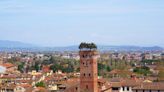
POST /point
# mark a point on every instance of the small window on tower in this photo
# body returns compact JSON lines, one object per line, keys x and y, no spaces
{"x":89,"y":74}
{"x":84,"y":74}
{"x":86,"y":86}
{"x":86,"y":64}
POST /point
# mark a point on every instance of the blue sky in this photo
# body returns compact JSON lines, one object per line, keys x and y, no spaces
{"x":69,"y":22}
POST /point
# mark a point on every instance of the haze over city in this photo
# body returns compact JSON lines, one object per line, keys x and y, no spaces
{"x":69,"y":22}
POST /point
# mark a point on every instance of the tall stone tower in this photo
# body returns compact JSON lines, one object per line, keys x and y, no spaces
{"x":88,"y":71}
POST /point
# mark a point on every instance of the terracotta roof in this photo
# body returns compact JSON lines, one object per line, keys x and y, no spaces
{"x":131,"y":82}
{"x":115,"y":80}
{"x":150,"y":86}
{"x":8,"y":65}
{"x":114,"y":71}
{"x":8,"y":86}
{"x":8,"y":77}
{"x":102,"y":80}
{"x":40,"y":89}
{"x":25,"y":85}
{"x":46,"y":68}
{"x":70,"y":82}
{"x":119,"y":82}
{"x":24,"y":81}
{"x":116,"y":84}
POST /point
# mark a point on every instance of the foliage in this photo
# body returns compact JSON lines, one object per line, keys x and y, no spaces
{"x":37,"y":66}
{"x":85,"y":45}
{"x":160,"y":68}
{"x":40,"y":84}
{"x":21,"y":67}
{"x":66,"y":65}
{"x":103,"y":68}
{"x":108,"y":68}
{"x":142,"y":70}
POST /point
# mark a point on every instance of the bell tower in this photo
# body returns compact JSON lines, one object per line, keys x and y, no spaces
{"x":88,"y":69}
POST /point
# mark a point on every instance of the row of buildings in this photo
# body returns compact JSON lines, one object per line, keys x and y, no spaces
{"x":86,"y":80}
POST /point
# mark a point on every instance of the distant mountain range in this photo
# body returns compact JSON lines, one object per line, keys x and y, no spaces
{"x":19,"y":46}
{"x":14,"y":44}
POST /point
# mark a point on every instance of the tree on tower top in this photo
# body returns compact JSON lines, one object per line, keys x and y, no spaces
{"x":87,"y":46}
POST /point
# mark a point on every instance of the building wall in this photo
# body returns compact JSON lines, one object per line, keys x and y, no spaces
{"x":88,"y":71}
{"x":109,"y":90}
{"x":73,"y":89}
{"x":126,"y":89}
{"x":19,"y":89}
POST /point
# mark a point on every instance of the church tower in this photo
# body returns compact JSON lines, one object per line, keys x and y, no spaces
{"x":88,"y":69}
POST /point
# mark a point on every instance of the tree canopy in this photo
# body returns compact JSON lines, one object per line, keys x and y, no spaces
{"x":85,"y":45}
{"x":40,"y":84}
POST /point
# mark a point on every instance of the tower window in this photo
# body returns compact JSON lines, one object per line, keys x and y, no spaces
{"x":86,"y":86}
{"x":86,"y":64}
{"x":84,"y":74}
{"x":89,"y":74}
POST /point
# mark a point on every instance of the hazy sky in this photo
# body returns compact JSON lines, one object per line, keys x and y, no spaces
{"x":69,"y":22}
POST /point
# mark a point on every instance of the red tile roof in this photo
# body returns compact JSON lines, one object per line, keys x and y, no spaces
{"x":8,"y":65}
{"x":150,"y":86}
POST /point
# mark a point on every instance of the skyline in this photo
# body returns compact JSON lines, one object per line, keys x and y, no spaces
{"x":63,"y":23}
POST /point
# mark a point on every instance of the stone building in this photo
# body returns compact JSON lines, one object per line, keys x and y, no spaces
{"x":88,"y":71}
{"x":88,"y":81}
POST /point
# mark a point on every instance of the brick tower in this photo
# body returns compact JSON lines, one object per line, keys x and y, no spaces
{"x":88,"y":71}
